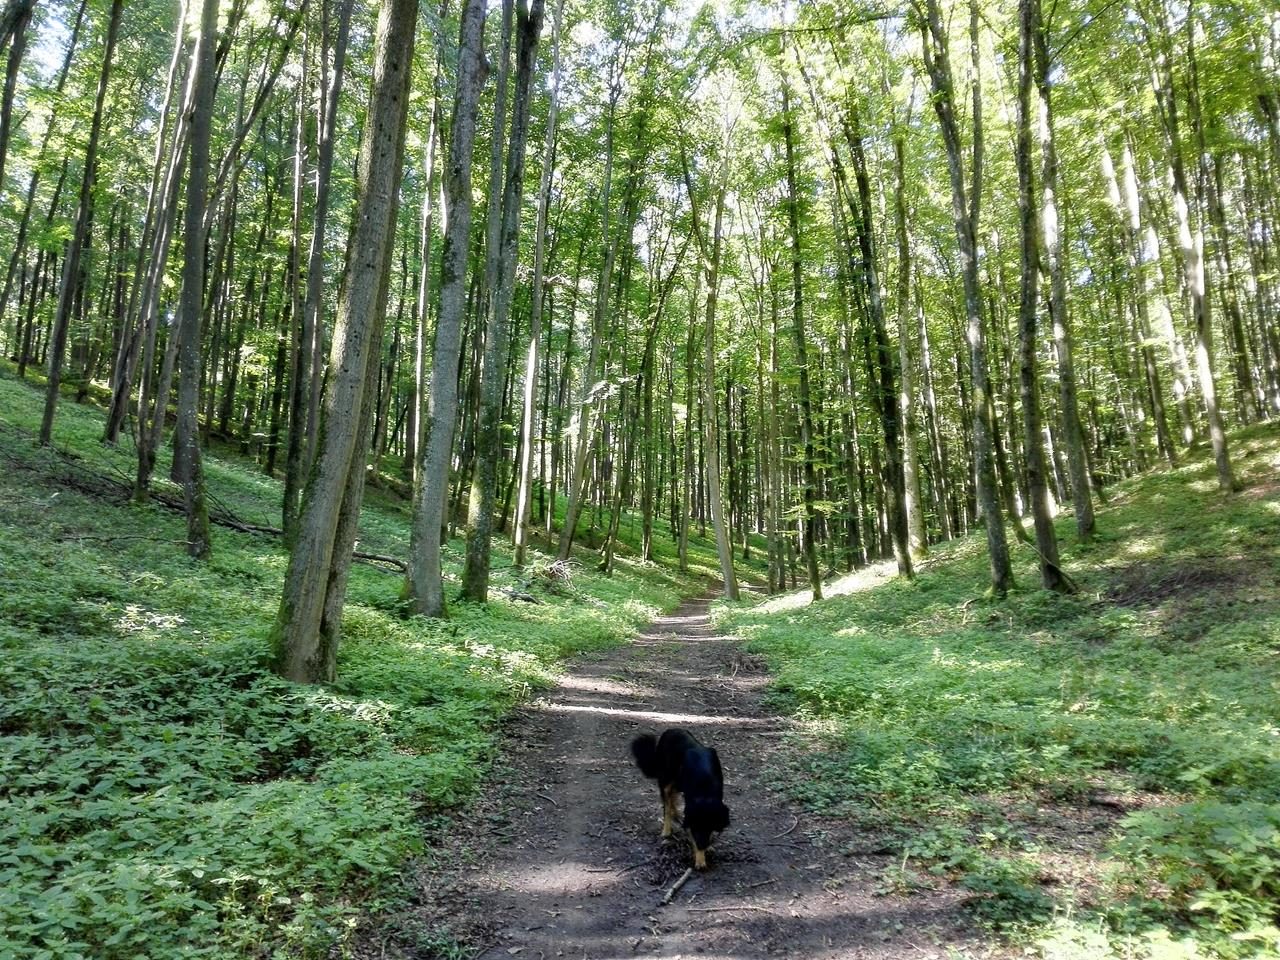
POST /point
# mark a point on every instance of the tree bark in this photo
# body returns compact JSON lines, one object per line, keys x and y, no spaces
{"x":188,"y":468}
{"x":1051,"y":576}
{"x":425,"y":585}
{"x":912,"y":501}
{"x":1072,"y":431}
{"x":305,"y":638}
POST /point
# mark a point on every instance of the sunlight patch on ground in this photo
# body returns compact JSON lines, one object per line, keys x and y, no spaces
{"x":136,"y":619}
{"x":865,"y":579}
{"x":602,"y":685}
{"x":653,"y":716}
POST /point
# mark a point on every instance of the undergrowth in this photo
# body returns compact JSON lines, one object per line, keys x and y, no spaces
{"x":162,"y":793}
{"x":987,"y":737}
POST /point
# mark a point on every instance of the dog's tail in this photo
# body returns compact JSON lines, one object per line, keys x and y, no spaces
{"x":645,"y":749}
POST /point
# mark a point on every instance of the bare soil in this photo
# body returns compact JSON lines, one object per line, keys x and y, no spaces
{"x":564,"y":858}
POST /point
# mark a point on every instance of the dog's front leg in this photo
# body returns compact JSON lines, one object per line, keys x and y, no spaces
{"x":699,"y":858}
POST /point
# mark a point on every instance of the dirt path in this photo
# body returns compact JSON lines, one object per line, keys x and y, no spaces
{"x":565,"y":860}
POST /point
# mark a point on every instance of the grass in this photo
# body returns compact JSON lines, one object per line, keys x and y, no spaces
{"x":1101,"y":771}
{"x":162,"y":793}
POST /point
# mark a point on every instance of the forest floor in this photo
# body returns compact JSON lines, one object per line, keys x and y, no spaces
{"x":561,"y":855}
{"x":915,"y":769}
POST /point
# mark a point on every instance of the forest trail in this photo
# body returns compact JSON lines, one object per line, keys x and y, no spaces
{"x":565,"y":859}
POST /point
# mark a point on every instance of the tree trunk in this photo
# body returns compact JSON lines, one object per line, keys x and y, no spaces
{"x":312,"y":319}
{"x":884,"y":393}
{"x":1051,"y":576}
{"x":426,"y":581}
{"x":938,"y":64}
{"x":807,"y":438}
{"x":1191,"y":244}
{"x":84,"y":216}
{"x":17,"y":17}
{"x":528,"y":413}
{"x":305,"y":638}
{"x":912,"y":501}
{"x":475,"y":574}
{"x":188,"y":467}
{"x":1072,"y":432}
{"x":723,"y":545}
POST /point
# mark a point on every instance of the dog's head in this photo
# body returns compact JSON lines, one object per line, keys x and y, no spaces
{"x":702,"y":818}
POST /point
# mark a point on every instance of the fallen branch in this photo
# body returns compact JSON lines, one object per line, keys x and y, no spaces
{"x":233,"y":523}
{"x":725,"y":909}
{"x":76,"y":537}
{"x":675,"y":887}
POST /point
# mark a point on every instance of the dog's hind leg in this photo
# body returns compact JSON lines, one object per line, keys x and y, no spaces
{"x":668,"y":809}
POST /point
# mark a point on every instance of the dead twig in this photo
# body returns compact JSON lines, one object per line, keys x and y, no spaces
{"x":623,"y":870}
{"x":726,"y":909}
{"x":675,"y":887}
{"x":786,"y":831}
{"x":763,"y":883}
{"x":547,"y":796}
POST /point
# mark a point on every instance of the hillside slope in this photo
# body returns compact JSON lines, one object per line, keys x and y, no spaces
{"x":1101,"y":772}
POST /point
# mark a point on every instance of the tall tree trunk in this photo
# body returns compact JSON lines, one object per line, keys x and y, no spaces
{"x":712,"y":265}
{"x":1051,"y":576}
{"x":807,"y":438}
{"x":884,"y":393}
{"x":475,"y":573}
{"x":299,"y":346}
{"x":71,"y":277}
{"x":17,"y":17}
{"x":312,"y":317}
{"x":585,"y":414}
{"x":912,"y":500}
{"x":1072,"y":431}
{"x":24,"y":222}
{"x":422,"y":301}
{"x":1191,"y":244}
{"x":131,"y":343}
{"x":528,"y":413}
{"x":306,"y":633}
{"x":426,"y":581}
{"x":188,"y":467}
{"x":964,"y":210}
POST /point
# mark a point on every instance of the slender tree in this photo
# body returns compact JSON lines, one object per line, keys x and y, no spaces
{"x":426,"y":581}
{"x":306,"y":634}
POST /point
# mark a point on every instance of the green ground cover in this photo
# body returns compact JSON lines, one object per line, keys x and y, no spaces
{"x":985,"y":739}
{"x":162,"y":793}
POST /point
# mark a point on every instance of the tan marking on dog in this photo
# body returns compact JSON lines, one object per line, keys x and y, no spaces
{"x":668,"y":811}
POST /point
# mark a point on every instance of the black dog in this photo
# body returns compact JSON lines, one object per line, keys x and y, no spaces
{"x":682,"y":765}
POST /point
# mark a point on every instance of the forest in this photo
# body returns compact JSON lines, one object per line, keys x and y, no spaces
{"x":377,"y":379}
